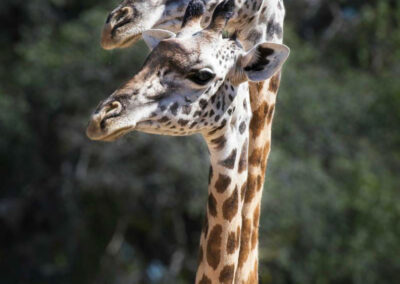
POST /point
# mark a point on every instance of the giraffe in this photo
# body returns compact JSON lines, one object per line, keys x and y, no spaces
{"x":197,"y":82}
{"x":253,"y":21}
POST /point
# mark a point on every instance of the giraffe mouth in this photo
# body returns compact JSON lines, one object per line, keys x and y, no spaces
{"x":109,"y":137}
{"x":116,"y":134}
{"x":130,"y":40}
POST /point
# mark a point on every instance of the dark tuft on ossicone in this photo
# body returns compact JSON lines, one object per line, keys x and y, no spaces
{"x":195,"y":9}
{"x":225,"y":9}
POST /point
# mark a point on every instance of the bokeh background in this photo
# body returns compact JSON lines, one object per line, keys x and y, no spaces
{"x":76,"y":211}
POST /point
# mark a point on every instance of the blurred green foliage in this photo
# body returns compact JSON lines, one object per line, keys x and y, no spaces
{"x":75,"y":211}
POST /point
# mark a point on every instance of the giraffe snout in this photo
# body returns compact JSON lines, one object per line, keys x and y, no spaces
{"x":98,"y":122}
{"x":115,"y":21}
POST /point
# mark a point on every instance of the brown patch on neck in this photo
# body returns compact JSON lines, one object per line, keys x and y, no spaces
{"x":229,"y":162}
{"x":265,"y":155}
{"x":256,"y":216}
{"x":214,"y":247}
{"x":260,"y":182}
{"x":219,"y":142}
{"x":205,"y":280}
{"x":251,"y":188}
{"x":254,"y":238}
{"x":245,"y":242}
{"x":274,"y":83}
{"x":212,"y":205}
{"x":238,"y":237}
{"x":222,"y":183}
{"x":231,"y":205}
{"x":256,"y":157}
{"x":258,"y":120}
{"x":243,"y":159}
{"x":260,"y":86}
{"x":231,"y":243}
{"x":227,"y":273}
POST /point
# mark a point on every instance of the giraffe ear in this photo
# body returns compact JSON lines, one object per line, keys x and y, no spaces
{"x":153,"y":37}
{"x":264,"y":60}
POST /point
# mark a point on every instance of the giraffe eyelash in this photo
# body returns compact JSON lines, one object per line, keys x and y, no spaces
{"x":202,"y":76}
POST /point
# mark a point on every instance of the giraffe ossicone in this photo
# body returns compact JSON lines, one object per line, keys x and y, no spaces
{"x":197,"y":83}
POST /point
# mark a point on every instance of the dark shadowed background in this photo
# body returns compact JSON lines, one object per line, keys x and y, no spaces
{"x":76,"y":211}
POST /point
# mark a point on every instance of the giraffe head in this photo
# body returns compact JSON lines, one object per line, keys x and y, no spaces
{"x":126,"y":23}
{"x":188,"y":82}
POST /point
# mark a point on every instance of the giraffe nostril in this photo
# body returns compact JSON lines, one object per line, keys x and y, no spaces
{"x":123,"y":15}
{"x":120,"y":16}
{"x":112,"y":109}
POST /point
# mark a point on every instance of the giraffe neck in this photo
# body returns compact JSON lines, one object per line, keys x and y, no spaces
{"x":220,"y":237}
{"x":262,"y":98}
{"x":254,"y":22}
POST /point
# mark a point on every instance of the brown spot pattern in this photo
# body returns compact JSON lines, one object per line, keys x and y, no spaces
{"x":251,"y":188}
{"x":229,"y":162}
{"x":212,"y":205}
{"x":237,"y":237}
{"x":205,"y":280}
{"x":231,"y":244}
{"x":245,"y":242}
{"x":219,"y":142}
{"x":256,"y":157}
{"x":226,"y":275}
{"x":183,"y":122}
{"x":256,"y":216}
{"x":222,"y":183}
{"x":243,"y":159}
{"x":260,"y":86}
{"x":274,"y":83}
{"x":230,"y":206}
{"x":214,"y":247}
{"x":265,"y":156}
{"x":258,"y":120}
{"x":163,"y":119}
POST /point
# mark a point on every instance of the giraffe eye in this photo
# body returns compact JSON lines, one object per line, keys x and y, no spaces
{"x":202,"y":76}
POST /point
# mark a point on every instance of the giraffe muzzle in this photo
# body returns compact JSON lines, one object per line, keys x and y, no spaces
{"x":97,"y":128}
{"x":115,"y":21}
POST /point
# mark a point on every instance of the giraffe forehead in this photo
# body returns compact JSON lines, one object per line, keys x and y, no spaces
{"x":184,"y":54}
{"x":175,"y":54}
